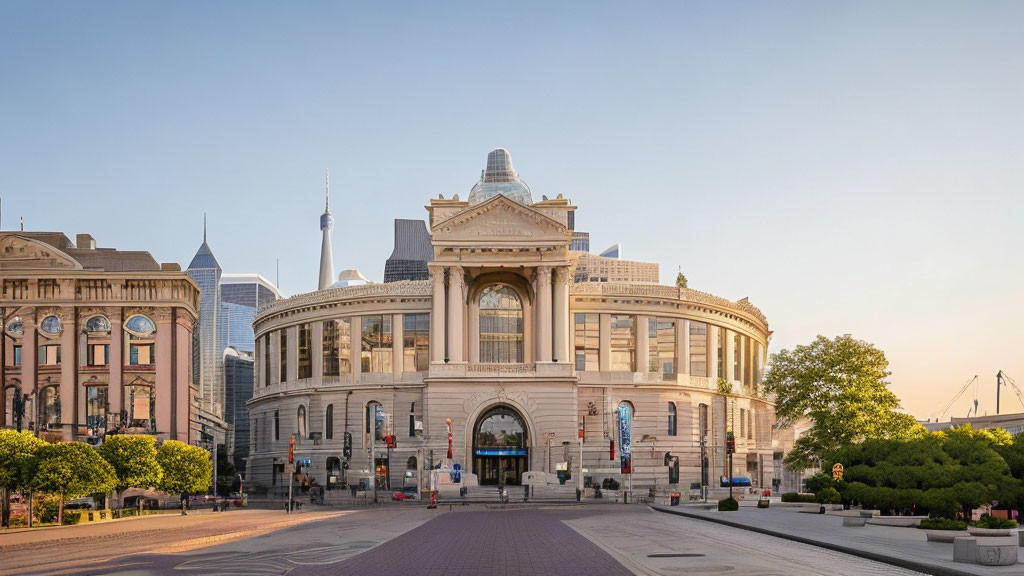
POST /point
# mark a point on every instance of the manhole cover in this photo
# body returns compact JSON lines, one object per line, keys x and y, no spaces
{"x":675,"y":555}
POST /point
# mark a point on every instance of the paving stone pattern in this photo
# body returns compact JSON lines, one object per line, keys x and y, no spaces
{"x":483,"y":544}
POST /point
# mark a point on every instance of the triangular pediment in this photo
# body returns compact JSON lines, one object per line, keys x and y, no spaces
{"x":500,"y":219}
{"x":19,"y":252}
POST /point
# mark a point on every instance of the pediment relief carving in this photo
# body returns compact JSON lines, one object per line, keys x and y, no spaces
{"x":500,"y":219}
{"x":20,"y":252}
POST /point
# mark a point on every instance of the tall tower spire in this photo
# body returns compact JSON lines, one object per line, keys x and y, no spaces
{"x":204,"y":227}
{"x":326,"y":224}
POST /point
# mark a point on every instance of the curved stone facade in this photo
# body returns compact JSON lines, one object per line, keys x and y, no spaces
{"x":556,"y":357}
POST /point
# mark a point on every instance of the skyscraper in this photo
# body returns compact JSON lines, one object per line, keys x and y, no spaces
{"x":412,"y":251}
{"x":208,"y":341}
{"x":241,"y":295}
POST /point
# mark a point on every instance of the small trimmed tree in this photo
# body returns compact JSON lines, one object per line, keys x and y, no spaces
{"x":134,"y":461}
{"x":18,"y":453}
{"x":72,"y":470}
{"x":186,"y":468}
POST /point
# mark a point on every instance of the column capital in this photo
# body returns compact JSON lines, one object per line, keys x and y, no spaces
{"x":562,"y":276}
{"x":543,"y":275}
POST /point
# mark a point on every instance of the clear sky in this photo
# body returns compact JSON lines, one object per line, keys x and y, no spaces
{"x":851,"y":167}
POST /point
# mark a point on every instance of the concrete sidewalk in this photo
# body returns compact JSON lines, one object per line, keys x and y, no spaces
{"x":905,"y":547}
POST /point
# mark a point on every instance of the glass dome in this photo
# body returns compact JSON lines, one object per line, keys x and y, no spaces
{"x":500,"y":178}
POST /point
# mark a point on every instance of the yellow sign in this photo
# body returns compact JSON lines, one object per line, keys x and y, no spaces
{"x":837,"y":471}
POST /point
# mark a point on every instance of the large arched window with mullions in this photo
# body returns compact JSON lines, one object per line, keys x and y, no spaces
{"x":501,"y":325}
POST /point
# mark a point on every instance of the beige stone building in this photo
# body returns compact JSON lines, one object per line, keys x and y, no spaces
{"x":593,"y":268}
{"x":94,"y":339}
{"x":531,"y":368}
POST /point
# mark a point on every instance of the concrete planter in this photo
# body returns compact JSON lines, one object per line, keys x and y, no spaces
{"x":944,"y":535}
{"x":901,"y":521}
{"x":991,"y":531}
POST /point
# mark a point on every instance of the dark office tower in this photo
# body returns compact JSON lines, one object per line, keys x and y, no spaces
{"x":238,"y":378}
{"x":412,"y":251}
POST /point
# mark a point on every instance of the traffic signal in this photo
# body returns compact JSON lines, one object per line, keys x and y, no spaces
{"x":347,"y":450}
{"x":730,"y":443}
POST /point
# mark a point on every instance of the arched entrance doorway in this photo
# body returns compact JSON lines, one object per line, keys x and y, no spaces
{"x":500,"y":453}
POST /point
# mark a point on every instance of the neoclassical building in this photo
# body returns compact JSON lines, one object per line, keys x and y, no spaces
{"x":522,"y":359}
{"x":94,"y":339}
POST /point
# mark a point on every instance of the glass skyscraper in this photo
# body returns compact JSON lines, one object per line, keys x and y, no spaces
{"x":208,"y":340}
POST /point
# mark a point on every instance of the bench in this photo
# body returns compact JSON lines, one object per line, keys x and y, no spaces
{"x":854,"y":521}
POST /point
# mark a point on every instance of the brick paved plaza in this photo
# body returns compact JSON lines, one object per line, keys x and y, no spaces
{"x":409,"y":540}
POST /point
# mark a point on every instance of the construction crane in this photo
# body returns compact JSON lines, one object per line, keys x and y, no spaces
{"x":1003,"y":378}
{"x":957,"y":397}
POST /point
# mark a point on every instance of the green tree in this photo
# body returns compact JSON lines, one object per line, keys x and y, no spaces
{"x":681,"y":281}
{"x":840,"y":385}
{"x":72,"y":470}
{"x":186,"y":468}
{"x":134,"y":461}
{"x":18,"y":453}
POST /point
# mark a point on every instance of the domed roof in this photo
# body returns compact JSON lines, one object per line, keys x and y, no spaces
{"x":350,"y":278}
{"x":500,"y":178}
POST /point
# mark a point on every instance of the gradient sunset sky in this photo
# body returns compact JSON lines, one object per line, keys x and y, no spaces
{"x":851,"y":167}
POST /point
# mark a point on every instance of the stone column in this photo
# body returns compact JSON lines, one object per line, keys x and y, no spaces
{"x":293,"y":353}
{"x":163,"y":360}
{"x":398,"y":346}
{"x":275,"y":356}
{"x":437,"y":334}
{"x":115,"y":389}
{"x":729,"y":349}
{"x":605,"y":339}
{"x":183,"y":343}
{"x":643,"y":344}
{"x":544,"y":315}
{"x":712,"y":354}
{"x":473,"y":326}
{"x":561,"y":320}
{"x":356,"y":343}
{"x":316,"y":352}
{"x":682,"y":346}
{"x":456,"y":306}
{"x":68,"y":374}
{"x":743,"y":362}
{"x":29,"y":367}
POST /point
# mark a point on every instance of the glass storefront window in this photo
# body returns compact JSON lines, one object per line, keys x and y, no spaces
{"x":501,"y":325}
{"x":305,"y":365}
{"x":416,"y":342}
{"x":623,"y":344}
{"x":96,"y":408}
{"x":587,"y":341}
{"x":698,"y":349}
{"x":283,"y":357}
{"x":51,"y":406}
{"x":142,"y":407}
{"x":376,"y":344}
{"x":661,"y":334}
{"x":337,"y":347}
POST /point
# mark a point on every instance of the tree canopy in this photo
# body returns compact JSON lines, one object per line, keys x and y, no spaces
{"x":840,"y":385}
{"x":72,"y":470}
{"x":18,"y":452}
{"x":134,"y":460}
{"x":940,"y":473}
{"x":681,"y":281}
{"x":186,"y":468}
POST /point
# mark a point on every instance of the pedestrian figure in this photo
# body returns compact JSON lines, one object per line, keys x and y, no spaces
{"x":184,"y":504}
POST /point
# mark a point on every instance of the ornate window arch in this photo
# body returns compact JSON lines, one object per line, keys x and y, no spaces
{"x":672,"y":418}
{"x":501,"y":325}
{"x":140,"y":333}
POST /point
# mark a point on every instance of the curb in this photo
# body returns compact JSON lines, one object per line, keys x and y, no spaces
{"x":902,"y":563}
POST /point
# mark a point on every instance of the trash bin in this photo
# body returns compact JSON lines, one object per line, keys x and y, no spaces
{"x":463,"y":491}
{"x":673,"y":499}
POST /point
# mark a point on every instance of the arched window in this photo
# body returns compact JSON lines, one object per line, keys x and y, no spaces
{"x":374,"y":421}
{"x":329,"y":422}
{"x":501,"y":325}
{"x":50,"y":325}
{"x":9,"y":416}
{"x":625,"y":437}
{"x":51,"y":407}
{"x":140,"y":331}
{"x":671,"y":418}
{"x":301,"y":417}
{"x":97,"y":346}
{"x":142,"y":407}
